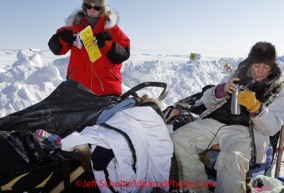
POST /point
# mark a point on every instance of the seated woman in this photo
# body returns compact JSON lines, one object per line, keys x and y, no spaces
{"x":241,"y":138}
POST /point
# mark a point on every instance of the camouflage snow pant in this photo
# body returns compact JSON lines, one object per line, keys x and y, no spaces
{"x":233,"y":160}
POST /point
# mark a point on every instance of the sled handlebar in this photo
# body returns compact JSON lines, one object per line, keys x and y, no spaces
{"x":133,"y":91}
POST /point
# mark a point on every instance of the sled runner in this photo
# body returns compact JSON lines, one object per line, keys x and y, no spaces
{"x":34,"y":165}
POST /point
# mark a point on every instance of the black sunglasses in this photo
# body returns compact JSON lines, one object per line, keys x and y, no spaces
{"x":90,"y":7}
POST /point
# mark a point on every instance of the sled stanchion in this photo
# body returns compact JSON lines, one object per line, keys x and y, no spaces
{"x":279,"y":155}
{"x":74,"y":175}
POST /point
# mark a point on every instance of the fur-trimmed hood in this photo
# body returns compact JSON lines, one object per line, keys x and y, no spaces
{"x":110,"y":21}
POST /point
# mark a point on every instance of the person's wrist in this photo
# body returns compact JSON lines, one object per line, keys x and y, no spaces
{"x":254,"y":114}
{"x":219,"y":92}
{"x":256,"y":107}
{"x":101,"y":44}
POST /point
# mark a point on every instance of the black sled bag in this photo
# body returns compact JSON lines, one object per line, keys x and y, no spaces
{"x":28,"y":165}
{"x":70,"y":107}
{"x":185,"y":110}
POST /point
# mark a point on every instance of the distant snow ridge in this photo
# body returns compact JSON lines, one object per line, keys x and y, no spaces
{"x":30,"y":79}
{"x":183,"y":78}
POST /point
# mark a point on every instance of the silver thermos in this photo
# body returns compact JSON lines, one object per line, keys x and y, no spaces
{"x":235,"y":107}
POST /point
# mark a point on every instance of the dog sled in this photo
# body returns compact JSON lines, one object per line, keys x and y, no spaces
{"x":35,"y":165}
{"x":30,"y":160}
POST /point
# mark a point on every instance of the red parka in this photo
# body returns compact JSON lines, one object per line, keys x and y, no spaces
{"x":103,"y":76}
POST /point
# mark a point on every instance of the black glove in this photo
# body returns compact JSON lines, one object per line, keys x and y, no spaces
{"x":102,"y":37}
{"x":67,"y":36}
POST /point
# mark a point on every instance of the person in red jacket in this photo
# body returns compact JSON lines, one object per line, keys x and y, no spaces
{"x":103,"y":76}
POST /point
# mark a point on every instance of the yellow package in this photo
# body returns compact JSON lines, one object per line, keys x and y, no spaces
{"x":93,"y":50}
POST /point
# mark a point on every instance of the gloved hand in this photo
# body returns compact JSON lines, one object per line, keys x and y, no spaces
{"x":102,"y":37}
{"x":247,"y":98}
{"x":67,"y":36}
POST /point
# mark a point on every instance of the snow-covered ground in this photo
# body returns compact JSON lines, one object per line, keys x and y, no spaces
{"x":28,"y":76}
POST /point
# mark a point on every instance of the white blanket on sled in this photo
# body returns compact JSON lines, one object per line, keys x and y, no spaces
{"x":152,"y":143}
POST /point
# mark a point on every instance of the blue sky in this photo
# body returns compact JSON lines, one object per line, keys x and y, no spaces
{"x":213,"y":28}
